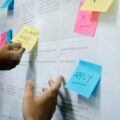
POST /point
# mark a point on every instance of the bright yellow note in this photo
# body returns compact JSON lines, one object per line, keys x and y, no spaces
{"x":97,"y":5}
{"x":28,"y":37}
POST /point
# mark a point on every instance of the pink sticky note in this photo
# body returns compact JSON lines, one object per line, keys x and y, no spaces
{"x":86,"y":22}
{"x":3,"y":39}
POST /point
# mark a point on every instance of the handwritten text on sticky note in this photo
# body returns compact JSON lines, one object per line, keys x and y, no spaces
{"x":86,"y":22}
{"x":85,"y":78}
{"x":28,"y":37}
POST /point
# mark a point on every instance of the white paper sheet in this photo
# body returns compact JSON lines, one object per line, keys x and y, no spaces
{"x":59,"y":52}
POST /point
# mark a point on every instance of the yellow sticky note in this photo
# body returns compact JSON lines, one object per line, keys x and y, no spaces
{"x":28,"y":37}
{"x":97,"y":5}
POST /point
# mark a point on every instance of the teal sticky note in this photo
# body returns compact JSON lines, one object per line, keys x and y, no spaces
{"x":85,"y":78}
{"x":11,"y":6}
{"x":9,"y":36}
{"x":8,"y":4}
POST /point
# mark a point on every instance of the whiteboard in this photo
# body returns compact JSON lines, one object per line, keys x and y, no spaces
{"x":59,"y":51}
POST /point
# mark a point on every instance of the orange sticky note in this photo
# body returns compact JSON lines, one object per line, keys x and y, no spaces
{"x":3,"y":39}
{"x":86,"y":22}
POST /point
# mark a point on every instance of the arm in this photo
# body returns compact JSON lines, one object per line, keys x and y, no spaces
{"x":40,"y":107}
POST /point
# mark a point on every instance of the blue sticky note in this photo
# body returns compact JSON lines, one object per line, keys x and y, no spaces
{"x":9,"y":36}
{"x":11,"y":6}
{"x":8,"y":4}
{"x":85,"y":78}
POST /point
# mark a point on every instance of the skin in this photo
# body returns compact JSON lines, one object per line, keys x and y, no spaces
{"x":41,"y":107}
{"x":10,"y":56}
{"x":34,"y":107}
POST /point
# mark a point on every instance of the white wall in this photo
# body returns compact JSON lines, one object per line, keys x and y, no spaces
{"x":58,"y":26}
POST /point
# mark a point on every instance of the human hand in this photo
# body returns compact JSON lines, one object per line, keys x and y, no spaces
{"x":10,"y":56}
{"x":40,"y":107}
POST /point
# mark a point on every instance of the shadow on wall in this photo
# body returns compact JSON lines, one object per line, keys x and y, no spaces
{"x":110,"y":17}
{"x":31,"y":72}
{"x":65,"y":105}
{"x":10,"y":12}
{"x":94,"y":101}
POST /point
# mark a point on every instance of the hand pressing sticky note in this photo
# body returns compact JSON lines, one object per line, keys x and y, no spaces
{"x":28,"y":37}
{"x":86,"y":22}
{"x":97,"y":5}
{"x":85,"y":78}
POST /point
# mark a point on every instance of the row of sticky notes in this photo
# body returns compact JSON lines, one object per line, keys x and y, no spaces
{"x":8,"y":4}
{"x":88,"y":15}
{"x":28,"y":37}
{"x":5,"y":38}
{"x":85,"y":78}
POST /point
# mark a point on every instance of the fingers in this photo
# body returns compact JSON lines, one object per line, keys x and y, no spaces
{"x":29,"y":89}
{"x":14,"y":46}
{"x":50,"y":82}
{"x":56,"y":85}
{"x":16,"y":55}
{"x":15,"y":51}
{"x":11,"y":55}
{"x":21,"y":51}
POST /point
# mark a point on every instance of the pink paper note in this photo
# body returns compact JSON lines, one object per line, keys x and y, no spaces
{"x":3,"y":39}
{"x":86,"y":22}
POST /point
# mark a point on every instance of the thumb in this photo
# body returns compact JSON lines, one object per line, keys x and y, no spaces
{"x":29,"y":89}
{"x":17,"y":54}
{"x":20,"y":52}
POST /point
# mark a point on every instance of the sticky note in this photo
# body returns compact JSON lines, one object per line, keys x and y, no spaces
{"x":3,"y":39}
{"x":8,"y":4}
{"x":97,"y":5}
{"x":28,"y":37}
{"x":85,"y":78}
{"x":86,"y":22}
{"x":9,"y":36}
{"x":11,"y":6}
